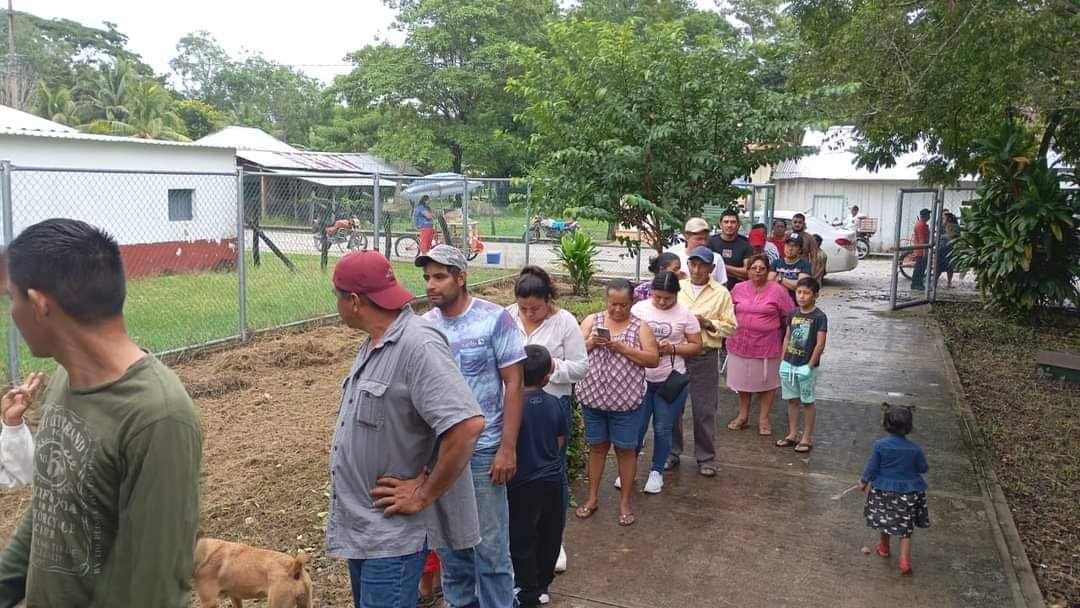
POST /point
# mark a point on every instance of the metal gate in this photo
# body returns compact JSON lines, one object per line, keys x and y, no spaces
{"x":761,"y":203}
{"x":915,"y":257}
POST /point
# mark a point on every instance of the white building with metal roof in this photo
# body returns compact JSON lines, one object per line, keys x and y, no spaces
{"x":828,"y":183}
{"x":171,"y":205}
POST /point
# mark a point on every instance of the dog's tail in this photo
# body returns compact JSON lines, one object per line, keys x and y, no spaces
{"x":298,"y":564}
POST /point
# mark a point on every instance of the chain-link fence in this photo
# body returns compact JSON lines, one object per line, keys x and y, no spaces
{"x":212,"y":257}
{"x":178,"y":237}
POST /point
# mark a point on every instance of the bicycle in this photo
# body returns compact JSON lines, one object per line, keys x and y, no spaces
{"x":907,"y":260}
{"x":408,"y":245}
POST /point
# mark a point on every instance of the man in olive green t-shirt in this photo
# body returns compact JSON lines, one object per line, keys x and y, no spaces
{"x":115,"y":504}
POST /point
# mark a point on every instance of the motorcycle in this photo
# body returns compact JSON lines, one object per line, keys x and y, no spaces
{"x":343,"y":233}
{"x":549,"y":228}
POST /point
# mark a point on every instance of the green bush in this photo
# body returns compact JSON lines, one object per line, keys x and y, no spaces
{"x":1020,"y":232}
{"x":575,"y":253}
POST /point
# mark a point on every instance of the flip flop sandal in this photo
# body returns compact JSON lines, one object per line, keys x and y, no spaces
{"x":626,"y":519}
{"x":707,"y":470}
{"x":735,"y":426}
{"x":585,"y":512}
{"x":765,"y":431}
{"x":804,"y":448}
{"x":786,"y":442}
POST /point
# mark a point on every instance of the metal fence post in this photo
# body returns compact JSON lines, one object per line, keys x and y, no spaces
{"x":528,"y":218}
{"x":241,"y":257}
{"x":376,"y":203}
{"x":935,"y":245}
{"x":893,"y":283}
{"x":9,"y":235}
{"x":465,"y":245}
{"x":637,"y":267}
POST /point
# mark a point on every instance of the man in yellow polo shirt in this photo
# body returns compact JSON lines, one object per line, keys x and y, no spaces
{"x":711,"y":303}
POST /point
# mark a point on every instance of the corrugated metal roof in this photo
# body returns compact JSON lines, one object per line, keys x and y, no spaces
{"x":10,"y":118}
{"x":330,"y":162}
{"x":246,"y":138}
{"x":16,"y":122}
{"x":260,"y":148}
{"x":324,"y":179}
{"x":834,"y":160}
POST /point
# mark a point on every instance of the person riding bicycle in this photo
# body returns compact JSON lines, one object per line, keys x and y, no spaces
{"x":424,"y":220}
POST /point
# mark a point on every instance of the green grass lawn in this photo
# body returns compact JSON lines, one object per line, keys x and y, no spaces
{"x":512,"y":222}
{"x":173,"y":311}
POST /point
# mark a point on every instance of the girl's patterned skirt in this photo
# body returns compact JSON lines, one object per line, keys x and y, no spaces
{"x":896,"y":514}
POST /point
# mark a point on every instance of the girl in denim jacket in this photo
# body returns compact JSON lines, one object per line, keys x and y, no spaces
{"x":897,"y":501}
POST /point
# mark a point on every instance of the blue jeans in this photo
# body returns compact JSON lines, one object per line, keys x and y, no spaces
{"x":389,"y":582}
{"x":486,"y":567}
{"x":663,"y":416}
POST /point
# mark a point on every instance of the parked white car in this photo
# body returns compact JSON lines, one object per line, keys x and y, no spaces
{"x":837,"y":242}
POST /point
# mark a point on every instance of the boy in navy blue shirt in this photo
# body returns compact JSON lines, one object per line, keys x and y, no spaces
{"x":537,"y":510}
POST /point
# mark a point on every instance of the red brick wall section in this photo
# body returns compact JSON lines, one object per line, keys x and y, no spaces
{"x":178,"y":257}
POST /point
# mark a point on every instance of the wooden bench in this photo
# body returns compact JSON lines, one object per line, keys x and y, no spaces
{"x":1063,"y":365}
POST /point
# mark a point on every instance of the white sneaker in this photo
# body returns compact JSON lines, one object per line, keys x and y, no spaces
{"x":544,"y":598}
{"x":560,"y":564}
{"x":655,"y":483}
{"x":618,"y":482}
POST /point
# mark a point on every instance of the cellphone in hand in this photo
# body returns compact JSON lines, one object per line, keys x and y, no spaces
{"x":603,"y":332}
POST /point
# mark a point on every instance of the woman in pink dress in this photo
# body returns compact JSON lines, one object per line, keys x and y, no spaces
{"x":753,"y":361}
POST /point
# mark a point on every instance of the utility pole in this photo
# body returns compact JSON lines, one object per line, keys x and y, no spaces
{"x":12,"y":83}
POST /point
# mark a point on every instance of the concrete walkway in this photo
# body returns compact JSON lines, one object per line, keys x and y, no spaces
{"x":775,"y":528}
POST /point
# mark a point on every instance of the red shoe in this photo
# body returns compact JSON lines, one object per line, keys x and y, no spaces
{"x":905,"y":569}
{"x":882,"y":550}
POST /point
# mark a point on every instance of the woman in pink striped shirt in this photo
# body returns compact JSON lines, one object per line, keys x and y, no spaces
{"x":753,"y":361}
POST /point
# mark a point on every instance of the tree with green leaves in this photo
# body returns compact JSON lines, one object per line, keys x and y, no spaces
{"x":198,"y":117}
{"x":446,"y":84}
{"x":943,"y":72}
{"x":104,"y":93}
{"x":253,"y":91}
{"x":54,"y":104}
{"x":1020,"y":232}
{"x":635,"y":125}
{"x":148,"y":115}
{"x":60,"y":49}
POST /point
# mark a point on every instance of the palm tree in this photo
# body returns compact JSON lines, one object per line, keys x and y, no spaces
{"x":105,"y":93}
{"x":149,"y":116}
{"x":55,"y":105}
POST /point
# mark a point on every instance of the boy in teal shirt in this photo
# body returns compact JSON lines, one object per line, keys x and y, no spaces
{"x":804,"y":342}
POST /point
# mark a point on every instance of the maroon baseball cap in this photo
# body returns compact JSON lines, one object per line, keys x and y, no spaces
{"x":369,"y":273}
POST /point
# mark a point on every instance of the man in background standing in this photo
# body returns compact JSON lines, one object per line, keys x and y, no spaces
{"x":489,"y":349}
{"x":733,"y":248}
{"x":809,"y":244}
{"x":920,"y":236}
{"x":696,"y":234}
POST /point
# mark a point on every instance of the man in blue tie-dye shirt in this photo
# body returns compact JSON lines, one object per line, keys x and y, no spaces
{"x":489,"y":349}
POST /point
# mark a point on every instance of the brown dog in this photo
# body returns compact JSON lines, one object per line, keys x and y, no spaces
{"x":246,"y":573}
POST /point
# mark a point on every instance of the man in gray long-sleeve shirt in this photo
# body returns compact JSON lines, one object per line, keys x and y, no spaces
{"x":406,"y":428}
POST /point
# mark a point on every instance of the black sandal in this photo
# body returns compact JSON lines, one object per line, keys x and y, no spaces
{"x":786,"y":442}
{"x":804,"y":448}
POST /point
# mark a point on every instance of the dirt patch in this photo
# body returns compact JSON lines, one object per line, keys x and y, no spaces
{"x":1031,"y":427}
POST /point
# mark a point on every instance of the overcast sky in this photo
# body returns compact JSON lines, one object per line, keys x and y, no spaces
{"x":313,"y":35}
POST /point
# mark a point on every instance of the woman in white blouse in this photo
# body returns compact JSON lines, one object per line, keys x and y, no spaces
{"x":556,"y":329}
